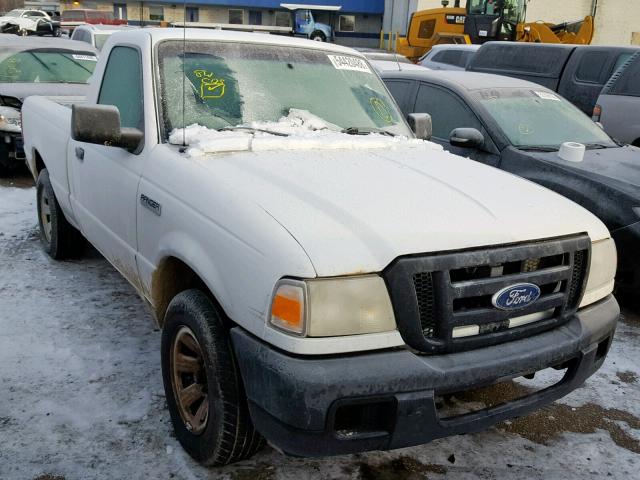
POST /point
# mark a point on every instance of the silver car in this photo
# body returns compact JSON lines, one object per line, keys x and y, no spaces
{"x":618,"y":107}
{"x":449,"y":57}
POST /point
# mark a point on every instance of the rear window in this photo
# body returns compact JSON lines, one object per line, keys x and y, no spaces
{"x":591,"y":67}
{"x":451,"y":57}
{"x":72,"y":15}
{"x":628,"y":82}
{"x":541,"y":60}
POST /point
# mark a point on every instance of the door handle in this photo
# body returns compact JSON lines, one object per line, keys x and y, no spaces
{"x":80,"y":153}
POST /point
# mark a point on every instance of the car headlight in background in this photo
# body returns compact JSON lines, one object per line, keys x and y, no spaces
{"x":602,"y":272}
{"x":11,"y":122}
{"x":333,"y":307}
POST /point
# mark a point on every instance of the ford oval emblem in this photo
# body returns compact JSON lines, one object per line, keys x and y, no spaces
{"x":516,"y":297}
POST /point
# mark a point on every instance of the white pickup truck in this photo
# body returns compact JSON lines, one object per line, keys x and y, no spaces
{"x":321,"y":276}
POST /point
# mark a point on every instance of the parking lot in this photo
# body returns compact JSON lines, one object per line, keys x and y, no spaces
{"x":82,"y":394}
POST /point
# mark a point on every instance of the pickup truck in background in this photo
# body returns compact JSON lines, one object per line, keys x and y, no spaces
{"x":71,"y":18}
{"x":321,"y":277}
{"x":577,"y":72}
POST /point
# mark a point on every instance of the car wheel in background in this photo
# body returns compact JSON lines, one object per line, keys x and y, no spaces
{"x":58,"y":237}
{"x":318,"y":37}
{"x":204,"y":391}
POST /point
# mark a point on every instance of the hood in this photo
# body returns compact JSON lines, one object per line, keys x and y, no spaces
{"x":24,"y":90}
{"x":354,"y":211}
{"x":618,"y":168}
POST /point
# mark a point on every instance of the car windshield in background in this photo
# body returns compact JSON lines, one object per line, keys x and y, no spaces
{"x":13,"y":13}
{"x":101,"y":38}
{"x":46,"y":65}
{"x":235,"y":84}
{"x":541,"y":119}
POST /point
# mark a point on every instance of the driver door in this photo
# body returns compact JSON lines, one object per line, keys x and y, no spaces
{"x":105,"y":179}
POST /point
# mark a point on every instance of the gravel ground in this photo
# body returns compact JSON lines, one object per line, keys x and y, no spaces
{"x":82,"y":394}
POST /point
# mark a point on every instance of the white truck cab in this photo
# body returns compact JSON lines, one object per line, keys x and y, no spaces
{"x":320,"y":274}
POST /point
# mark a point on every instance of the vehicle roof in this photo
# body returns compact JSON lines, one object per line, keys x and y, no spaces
{"x":462,"y":80}
{"x":16,"y":42}
{"x":107,"y":28}
{"x":393,"y":66}
{"x":160,"y":34}
{"x":456,"y":46}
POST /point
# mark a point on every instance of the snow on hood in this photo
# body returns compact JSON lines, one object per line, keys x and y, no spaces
{"x":300,"y":130}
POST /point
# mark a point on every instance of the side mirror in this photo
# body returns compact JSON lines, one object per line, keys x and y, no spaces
{"x":466,"y":138}
{"x":100,"y":125}
{"x":421,"y":125}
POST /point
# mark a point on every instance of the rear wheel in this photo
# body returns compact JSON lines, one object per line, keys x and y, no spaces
{"x":202,"y":383}
{"x":58,"y":237}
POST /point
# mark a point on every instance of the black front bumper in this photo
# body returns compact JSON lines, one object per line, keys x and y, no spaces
{"x":297,"y":402}
{"x":11,"y":149}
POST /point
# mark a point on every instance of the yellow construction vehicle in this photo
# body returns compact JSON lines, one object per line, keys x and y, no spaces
{"x":485,"y":20}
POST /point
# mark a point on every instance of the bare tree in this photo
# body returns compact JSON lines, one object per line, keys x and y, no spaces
{"x":6,"y":5}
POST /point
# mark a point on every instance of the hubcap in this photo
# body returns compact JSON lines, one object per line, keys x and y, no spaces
{"x":189,"y":380}
{"x":45,"y":214}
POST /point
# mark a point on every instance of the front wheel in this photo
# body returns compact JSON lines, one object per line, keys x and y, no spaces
{"x":58,"y":237}
{"x":318,"y":37}
{"x":202,"y":383}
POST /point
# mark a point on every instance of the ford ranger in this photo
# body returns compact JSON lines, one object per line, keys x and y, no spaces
{"x":321,"y":273}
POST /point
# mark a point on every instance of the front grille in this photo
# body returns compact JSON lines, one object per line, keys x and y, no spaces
{"x":443,"y":302}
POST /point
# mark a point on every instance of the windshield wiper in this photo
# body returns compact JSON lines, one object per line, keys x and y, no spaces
{"x":597,"y":146}
{"x":366,"y":131}
{"x":254,"y":130}
{"x":537,"y":148}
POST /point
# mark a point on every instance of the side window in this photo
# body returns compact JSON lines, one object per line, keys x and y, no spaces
{"x":401,"y":92}
{"x":591,"y":66}
{"x":629,"y":81}
{"x":438,"y":57}
{"x":122,"y":86}
{"x":446,"y":110}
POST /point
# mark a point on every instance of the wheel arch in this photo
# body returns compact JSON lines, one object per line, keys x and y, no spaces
{"x":636,"y":142}
{"x":173,"y":276}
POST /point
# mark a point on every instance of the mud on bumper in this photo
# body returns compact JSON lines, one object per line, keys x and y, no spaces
{"x":311,"y":406}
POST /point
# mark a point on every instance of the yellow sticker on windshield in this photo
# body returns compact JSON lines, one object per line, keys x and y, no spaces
{"x":210,"y":86}
{"x":381,"y":109}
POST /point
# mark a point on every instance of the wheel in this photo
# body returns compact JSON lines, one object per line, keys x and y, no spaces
{"x":204,"y":391}
{"x":318,"y":37}
{"x":56,"y":32}
{"x":58,"y":237}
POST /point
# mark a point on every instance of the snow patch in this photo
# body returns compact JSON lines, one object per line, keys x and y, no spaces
{"x":300,"y":130}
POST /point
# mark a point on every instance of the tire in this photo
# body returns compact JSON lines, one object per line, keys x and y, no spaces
{"x":318,"y":36}
{"x":223,"y":434}
{"x":56,"y":32}
{"x":58,"y":237}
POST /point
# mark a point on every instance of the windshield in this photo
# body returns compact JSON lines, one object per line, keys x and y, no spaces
{"x":14,"y":13}
{"x":231,"y":84}
{"x":100,"y":39}
{"x":46,"y":65}
{"x":540,"y":118}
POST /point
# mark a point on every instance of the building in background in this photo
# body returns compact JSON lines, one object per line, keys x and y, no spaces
{"x":357,"y":23}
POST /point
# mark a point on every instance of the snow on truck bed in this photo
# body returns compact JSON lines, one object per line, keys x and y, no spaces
{"x":300,"y":130}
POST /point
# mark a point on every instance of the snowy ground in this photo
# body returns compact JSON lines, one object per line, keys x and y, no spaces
{"x":82,"y":395}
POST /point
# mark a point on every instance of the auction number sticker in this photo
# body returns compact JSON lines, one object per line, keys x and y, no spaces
{"x":547,"y":96}
{"x":345,"y":62}
{"x":89,"y":58}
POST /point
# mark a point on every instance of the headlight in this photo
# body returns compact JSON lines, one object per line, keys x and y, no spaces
{"x":333,"y":307}
{"x":6,"y":121}
{"x":604,"y":260}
